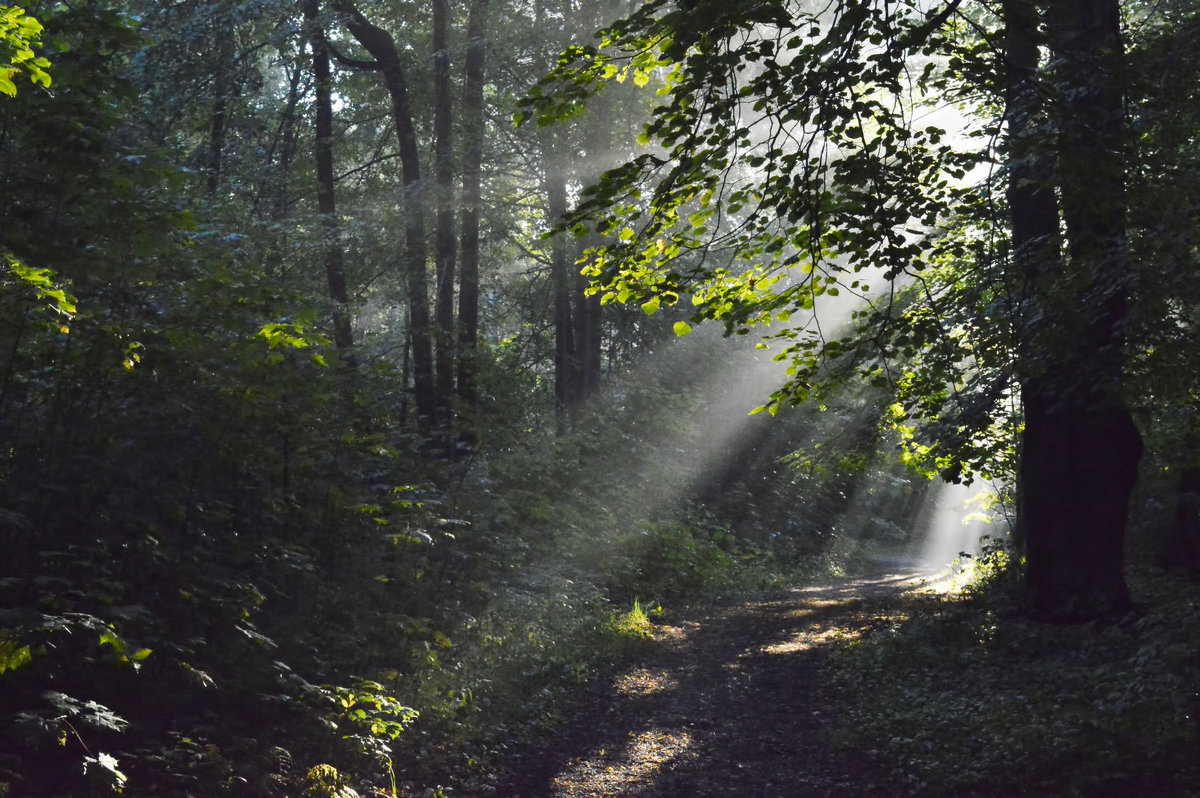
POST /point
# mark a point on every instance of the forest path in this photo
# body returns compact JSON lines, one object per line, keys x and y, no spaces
{"x":730,"y":702}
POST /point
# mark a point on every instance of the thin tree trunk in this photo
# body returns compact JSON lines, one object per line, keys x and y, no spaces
{"x":382,"y":47}
{"x":555,"y":187}
{"x":444,"y":244}
{"x":564,"y":342}
{"x":282,"y":156}
{"x":282,"y":153}
{"x":217,"y":121}
{"x":588,"y":339}
{"x":472,"y":117}
{"x":335,"y":272}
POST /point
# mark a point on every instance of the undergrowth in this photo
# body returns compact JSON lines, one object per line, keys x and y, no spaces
{"x":962,"y":695}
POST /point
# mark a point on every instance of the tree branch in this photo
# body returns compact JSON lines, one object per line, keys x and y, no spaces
{"x":347,"y":61}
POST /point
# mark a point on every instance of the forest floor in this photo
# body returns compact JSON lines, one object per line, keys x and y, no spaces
{"x":727,"y":701}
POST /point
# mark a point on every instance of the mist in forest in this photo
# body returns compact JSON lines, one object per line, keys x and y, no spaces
{"x":954,"y":521}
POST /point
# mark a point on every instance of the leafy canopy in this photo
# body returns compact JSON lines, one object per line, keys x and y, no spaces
{"x":801,"y":152}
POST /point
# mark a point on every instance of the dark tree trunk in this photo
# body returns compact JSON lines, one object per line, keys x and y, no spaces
{"x":222,"y":85}
{"x":560,"y":264}
{"x":1183,"y":552}
{"x":588,"y":333}
{"x":335,"y":272}
{"x":1078,"y":471}
{"x":554,"y":184}
{"x":1033,"y":212}
{"x":444,"y":244}
{"x":588,"y":328}
{"x":1080,"y":449}
{"x":473,"y":129}
{"x":382,"y":47}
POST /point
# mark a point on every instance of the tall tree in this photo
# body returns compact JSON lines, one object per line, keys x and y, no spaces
{"x":335,"y":269}
{"x":789,"y":167}
{"x":1080,"y":449}
{"x":382,"y":48}
{"x":444,"y":239}
{"x":222,"y":80}
{"x":472,"y":180}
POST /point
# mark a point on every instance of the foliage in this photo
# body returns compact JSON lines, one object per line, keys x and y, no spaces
{"x":20,"y":33}
{"x":960,"y":695}
{"x":42,"y":282}
{"x":787,"y":169}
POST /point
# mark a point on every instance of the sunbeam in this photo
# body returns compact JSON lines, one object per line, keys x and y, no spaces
{"x":954,"y":521}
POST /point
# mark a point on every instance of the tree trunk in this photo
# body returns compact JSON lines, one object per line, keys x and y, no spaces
{"x":282,"y":152}
{"x":588,"y":334}
{"x":444,"y":244}
{"x":560,"y":264}
{"x":222,"y":86}
{"x":1183,"y":551}
{"x":473,"y":130}
{"x":603,"y":117}
{"x":335,"y":272}
{"x":382,"y":47}
{"x":1080,"y":448}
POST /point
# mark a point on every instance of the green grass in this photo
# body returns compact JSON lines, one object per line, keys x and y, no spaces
{"x":633,"y":625}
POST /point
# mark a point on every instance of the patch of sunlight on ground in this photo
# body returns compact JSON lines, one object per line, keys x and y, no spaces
{"x":642,"y":682}
{"x":952,"y":578}
{"x":811,"y":640}
{"x":639,"y":764}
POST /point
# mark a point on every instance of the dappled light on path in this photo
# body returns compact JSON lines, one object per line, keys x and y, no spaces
{"x":804,"y":642}
{"x":730,"y":702}
{"x":637,"y":766}
{"x":642,"y":682}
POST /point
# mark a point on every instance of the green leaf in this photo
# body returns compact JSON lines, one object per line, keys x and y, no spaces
{"x":682,"y":328}
{"x":13,"y":656}
{"x":109,"y":637}
{"x":650,"y":306}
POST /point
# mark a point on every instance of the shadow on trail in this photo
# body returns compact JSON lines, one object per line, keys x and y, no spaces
{"x":731,"y":704}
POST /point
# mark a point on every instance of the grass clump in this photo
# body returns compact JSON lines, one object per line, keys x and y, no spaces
{"x":633,"y":625}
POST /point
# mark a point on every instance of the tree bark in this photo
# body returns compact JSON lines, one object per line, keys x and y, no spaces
{"x":472,"y":181}
{"x":1080,"y":448}
{"x":382,"y":47}
{"x":564,"y":339}
{"x":588,"y":339}
{"x":335,"y":271}
{"x":1183,"y":550}
{"x":603,"y":116}
{"x":222,"y":87}
{"x":444,"y":243}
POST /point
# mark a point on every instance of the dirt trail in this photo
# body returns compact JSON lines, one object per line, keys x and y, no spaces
{"x":730,"y":703}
